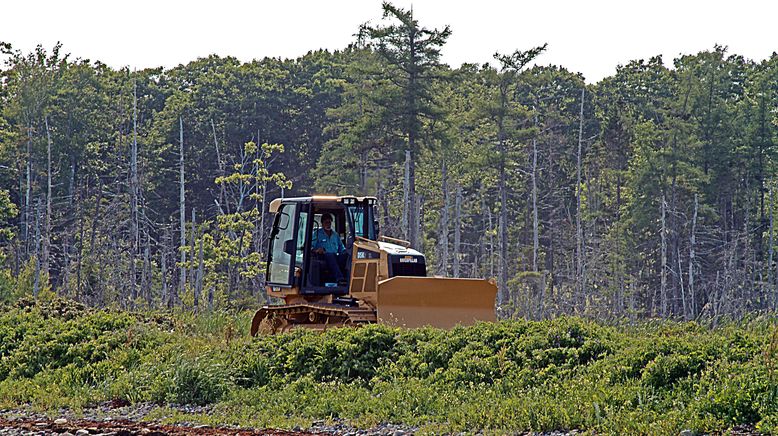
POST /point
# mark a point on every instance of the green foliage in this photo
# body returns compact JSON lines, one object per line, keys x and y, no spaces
{"x":8,"y":210}
{"x":41,"y":340}
{"x":561,"y":374}
{"x":231,"y":256}
{"x":13,"y":288}
{"x":196,"y":381}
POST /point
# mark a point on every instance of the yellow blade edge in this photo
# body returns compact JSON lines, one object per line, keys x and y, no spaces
{"x":435,"y":301}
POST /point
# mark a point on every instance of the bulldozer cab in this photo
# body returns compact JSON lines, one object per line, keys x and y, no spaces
{"x":292,"y":262}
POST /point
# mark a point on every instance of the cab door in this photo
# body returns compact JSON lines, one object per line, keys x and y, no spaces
{"x":282,"y":247}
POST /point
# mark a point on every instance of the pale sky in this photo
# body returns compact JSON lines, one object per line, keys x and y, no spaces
{"x":587,"y":36}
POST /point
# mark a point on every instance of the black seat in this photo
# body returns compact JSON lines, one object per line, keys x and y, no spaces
{"x":318,"y":269}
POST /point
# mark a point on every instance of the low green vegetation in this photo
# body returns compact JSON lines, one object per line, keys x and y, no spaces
{"x":567,"y":373}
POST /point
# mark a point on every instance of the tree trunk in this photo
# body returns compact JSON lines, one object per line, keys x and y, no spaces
{"x":47,"y":221}
{"x":66,"y":243}
{"x":80,"y":252}
{"x":535,"y":230}
{"x":93,"y":236}
{"x":414,"y":203}
{"x":163,"y":265}
{"x":692,"y":241}
{"x":261,"y":235}
{"x":19,"y":249}
{"x":220,"y":163}
{"x":663,"y":265}
{"x":457,"y":229}
{"x":502,"y":223}
{"x":490,"y":231}
{"x":419,"y":211}
{"x":199,"y":278}
{"x":680,"y":283}
{"x":37,"y":280}
{"x":363,"y":170}
{"x":770,"y":275}
{"x":413,"y":121}
{"x":407,"y":208}
{"x":192,"y":237}
{"x":502,"y":238}
{"x":443,"y":226}
{"x":383,"y":201}
{"x":28,"y":195}
{"x":146,"y":273}
{"x":135,"y":233}
{"x":181,"y":209}
{"x":259,"y":204}
{"x":579,"y":246}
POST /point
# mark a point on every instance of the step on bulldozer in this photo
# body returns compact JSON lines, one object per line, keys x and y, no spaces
{"x":370,"y":279}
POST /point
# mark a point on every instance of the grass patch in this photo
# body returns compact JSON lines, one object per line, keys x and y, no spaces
{"x":502,"y":377}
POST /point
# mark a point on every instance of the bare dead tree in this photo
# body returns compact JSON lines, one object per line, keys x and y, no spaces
{"x":37,"y":280}
{"x":579,"y":242}
{"x":135,"y":232}
{"x":770,"y":275}
{"x":192,"y":236}
{"x":182,"y":209}
{"x":146,"y":272}
{"x":534,"y":179}
{"x":47,"y":222}
{"x":692,"y":254}
{"x":163,"y":271}
{"x":220,"y":163}
{"x":199,"y":278}
{"x":28,"y":194}
{"x":82,"y":193}
{"x":663,"y":264}
{"x":680,"y":282}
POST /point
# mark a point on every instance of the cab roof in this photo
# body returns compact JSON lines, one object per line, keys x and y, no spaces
{"x":275,"y":204}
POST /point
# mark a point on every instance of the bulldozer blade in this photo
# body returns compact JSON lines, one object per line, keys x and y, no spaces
{"x":435,"y":301}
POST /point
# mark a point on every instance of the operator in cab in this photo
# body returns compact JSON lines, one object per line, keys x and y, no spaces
{"x":327,"y":243}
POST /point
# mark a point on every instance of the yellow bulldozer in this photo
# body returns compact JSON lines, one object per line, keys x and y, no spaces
{"x":380,"y":279}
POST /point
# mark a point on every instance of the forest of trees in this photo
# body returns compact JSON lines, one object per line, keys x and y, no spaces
{"x":648,"y":194}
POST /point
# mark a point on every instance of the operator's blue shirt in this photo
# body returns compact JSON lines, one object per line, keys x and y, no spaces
{"x":330,"y":244}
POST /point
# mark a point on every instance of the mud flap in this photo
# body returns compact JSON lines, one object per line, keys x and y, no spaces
{"x":435,"y":301}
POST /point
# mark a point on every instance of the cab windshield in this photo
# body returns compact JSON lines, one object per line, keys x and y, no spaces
{"x":361,"y":217}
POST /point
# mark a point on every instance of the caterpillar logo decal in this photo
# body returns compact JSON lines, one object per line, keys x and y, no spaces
{"x":409,"y":259}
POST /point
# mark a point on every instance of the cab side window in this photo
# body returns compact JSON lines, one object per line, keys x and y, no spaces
{"x":281,"y":260}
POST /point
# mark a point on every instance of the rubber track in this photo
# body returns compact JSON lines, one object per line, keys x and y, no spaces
{"x":355,"y":314}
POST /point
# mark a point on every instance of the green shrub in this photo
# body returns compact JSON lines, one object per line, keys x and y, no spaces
{"x":197,"y":381}
{"x":665,"y":370}
{"x":737,"y":393}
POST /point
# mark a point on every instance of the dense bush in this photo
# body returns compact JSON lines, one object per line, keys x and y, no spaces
{"x":564,"y":373}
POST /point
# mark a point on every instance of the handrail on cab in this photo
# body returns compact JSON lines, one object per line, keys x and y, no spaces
{"x":402,"y":242}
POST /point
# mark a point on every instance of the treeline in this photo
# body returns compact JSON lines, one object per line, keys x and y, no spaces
{"x":649,"y":193}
